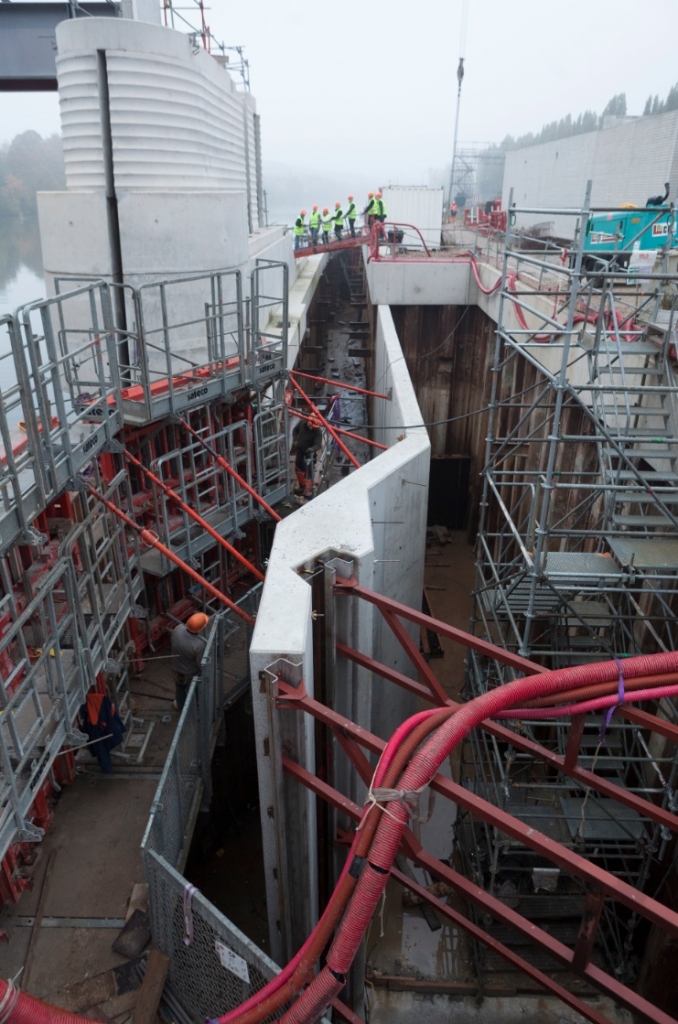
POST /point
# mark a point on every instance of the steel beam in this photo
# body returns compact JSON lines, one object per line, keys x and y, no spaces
{"x":498,"y":910}
{"x":566,"y":859}
{"x":560,"y":764}
{"x":28,"y":42}
{"x":351,"y":587}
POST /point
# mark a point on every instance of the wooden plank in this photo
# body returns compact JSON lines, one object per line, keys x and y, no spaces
{"x":104,"y":989}
{"x":150,"y":992}
{"x":40,"y":913}
{"x":123,"y":1003}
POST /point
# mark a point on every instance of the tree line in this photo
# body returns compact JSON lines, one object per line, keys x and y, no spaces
{"x":29,"y":164}
{"x":589,"y":121}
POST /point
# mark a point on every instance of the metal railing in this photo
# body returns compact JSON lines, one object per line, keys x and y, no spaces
{"x":213,"y":965}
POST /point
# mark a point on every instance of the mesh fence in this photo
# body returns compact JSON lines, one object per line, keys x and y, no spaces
{"x":214,"y":966}
{"x":188,"y":930}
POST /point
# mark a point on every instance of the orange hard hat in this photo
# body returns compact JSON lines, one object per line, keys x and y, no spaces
{"x":350,"y":197}
{"x":315,"y":206}
{"x":325,"y":210}
{"x":303,"y":213}
{"x":370,"y":195}
{"x":197,"y":622}
{"x":378,"y":195}
{"x":337,"y":204}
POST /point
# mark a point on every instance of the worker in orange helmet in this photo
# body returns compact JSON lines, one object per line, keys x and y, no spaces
{"x":328,"y":221}
{"x":351,"y":215}
{"x":368,"y":212}
{"x":307,"y":438}
{"x":338,"y":220}
{"x":188,"y":648}
{"x":299,"y":229}
{"x":379,"y":208}
{"x":314,"y":225}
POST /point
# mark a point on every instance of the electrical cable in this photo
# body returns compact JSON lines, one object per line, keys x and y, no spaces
{"x":377,"y":839}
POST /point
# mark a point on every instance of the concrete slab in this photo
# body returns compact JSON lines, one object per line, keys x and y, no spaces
{"x":98,"y":824}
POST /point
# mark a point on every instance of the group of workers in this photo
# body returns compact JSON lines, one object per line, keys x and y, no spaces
{"x":328,"y":222}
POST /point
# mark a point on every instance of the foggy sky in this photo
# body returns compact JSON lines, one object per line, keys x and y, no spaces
{"x":360,"y":86}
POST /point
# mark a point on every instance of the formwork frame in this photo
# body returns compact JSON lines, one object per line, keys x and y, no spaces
{"x":71,"y":577}
{"x":538,"y":953}
{"x":577,"y":553}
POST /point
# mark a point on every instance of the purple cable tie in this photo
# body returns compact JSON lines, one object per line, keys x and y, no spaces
{"x":188,"y":914}
{"x":607,"y":717}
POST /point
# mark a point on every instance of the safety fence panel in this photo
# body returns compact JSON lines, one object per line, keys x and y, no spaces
{"x":190,"y":345}
{"x":66,"y":360}
{"x":272,"y":452}
{"x":43,"y":682}
{"x":269,"y":290}
{"x":19,"y":495}
{"x":179,"y":791}
{"x":107,"y":564}
{"x":185,"y":781}
{"x":213,"y":966}
{"x":194,"y":474}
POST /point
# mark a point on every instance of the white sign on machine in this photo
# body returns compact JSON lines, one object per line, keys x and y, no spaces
{"x":232,"y":962}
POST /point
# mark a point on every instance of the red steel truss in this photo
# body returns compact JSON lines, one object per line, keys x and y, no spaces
{"x":600,"y":884}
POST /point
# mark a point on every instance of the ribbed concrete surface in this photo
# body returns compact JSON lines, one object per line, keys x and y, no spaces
{"x":177,"y":120}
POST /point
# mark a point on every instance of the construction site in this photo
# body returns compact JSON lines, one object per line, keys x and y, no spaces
{"x":428,"y":767}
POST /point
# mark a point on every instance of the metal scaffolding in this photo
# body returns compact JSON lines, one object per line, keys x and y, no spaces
{"x":81,"y":597}
{"x":577,"y":561}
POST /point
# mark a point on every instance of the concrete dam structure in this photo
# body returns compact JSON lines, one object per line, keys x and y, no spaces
{"x":426,"y":765}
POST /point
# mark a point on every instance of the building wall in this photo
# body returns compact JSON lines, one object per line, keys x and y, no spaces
{"x":422,"y":207}
{"x":375,"y":520}
{"x":627,"y":161}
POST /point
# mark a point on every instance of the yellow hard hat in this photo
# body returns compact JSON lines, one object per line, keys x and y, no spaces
{"x":197,"y":622}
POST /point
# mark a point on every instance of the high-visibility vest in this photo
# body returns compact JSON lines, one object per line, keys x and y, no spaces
{"x":339,"y":218}
{"x":327,"y":223}
{"x":369,"y":209}
{"x":299,"y":226}
{"x":379,"y":208}
{"x":314,"y":220}
{"x":352,"y":213}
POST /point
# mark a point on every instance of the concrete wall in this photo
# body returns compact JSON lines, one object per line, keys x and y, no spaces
{"x":182,"y":173}
{"x":627,"y":161}
{"x":409,"y":283}
{"x":374,"y":519}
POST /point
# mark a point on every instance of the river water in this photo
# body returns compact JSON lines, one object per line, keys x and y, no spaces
{"x":21,"y":280}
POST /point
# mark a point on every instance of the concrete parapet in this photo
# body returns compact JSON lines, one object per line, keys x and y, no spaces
{"x":374,"y":522}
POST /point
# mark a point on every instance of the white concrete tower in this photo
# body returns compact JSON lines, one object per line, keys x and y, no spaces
{"x":162,"y":155}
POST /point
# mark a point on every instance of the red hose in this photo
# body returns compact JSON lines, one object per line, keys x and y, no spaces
{"x":457,"y":723}
{"x":419,"y":773}
{"x":655,"y":693}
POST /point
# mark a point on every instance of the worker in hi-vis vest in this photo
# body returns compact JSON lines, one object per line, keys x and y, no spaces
{"x":314,"y":225}
{"x":351,"y":215}
{"x":379,"y":208}
{"x":368,"y":212}
{"x":338,"y":220}
{"x":328,"y":221}
{"x":299,"y":228}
